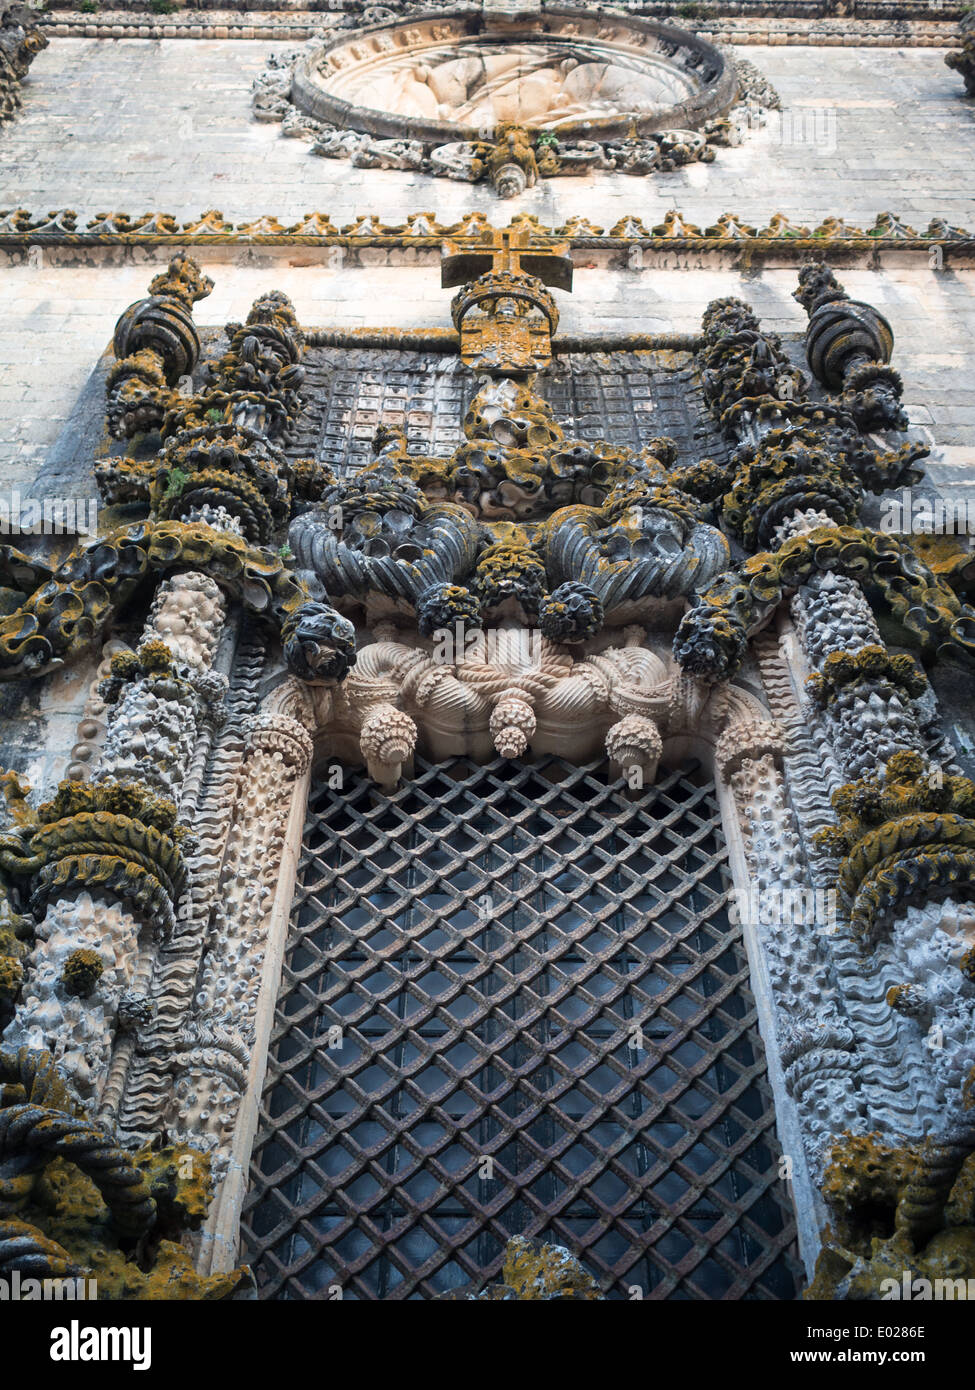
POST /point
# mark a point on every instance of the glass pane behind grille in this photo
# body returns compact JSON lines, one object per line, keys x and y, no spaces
{"x":513,"y":1003}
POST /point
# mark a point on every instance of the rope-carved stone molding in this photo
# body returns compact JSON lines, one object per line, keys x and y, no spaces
{"x":623,"y":700}
{"x":132,"y":1205}
{"x":836,"y":236}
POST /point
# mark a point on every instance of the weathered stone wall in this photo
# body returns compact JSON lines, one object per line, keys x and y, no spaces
{"x":60,"y":319}
{"x":165,"y":126}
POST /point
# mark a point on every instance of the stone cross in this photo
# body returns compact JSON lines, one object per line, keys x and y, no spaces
{"x":505,"y":249}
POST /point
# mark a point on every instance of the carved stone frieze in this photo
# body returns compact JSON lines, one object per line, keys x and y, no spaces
{"x":780,"y":237}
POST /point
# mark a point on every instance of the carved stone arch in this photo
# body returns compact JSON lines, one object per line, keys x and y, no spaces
{"x":656,"y":711}
{"x":725,"y":723}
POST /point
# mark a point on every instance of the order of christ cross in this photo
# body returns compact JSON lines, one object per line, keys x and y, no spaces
{"x":505,"y":249}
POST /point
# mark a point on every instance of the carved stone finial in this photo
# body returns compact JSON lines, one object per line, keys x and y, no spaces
{"x":512,"y":725}
{"x":387,"y":739}
{"x":634,"y":744}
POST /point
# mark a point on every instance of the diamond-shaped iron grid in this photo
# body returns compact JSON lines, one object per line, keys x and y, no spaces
{"x":513,"y":1003}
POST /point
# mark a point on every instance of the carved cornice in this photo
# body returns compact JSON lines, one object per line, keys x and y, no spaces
{"x":833,"y":238}
{"x":880,"y":23}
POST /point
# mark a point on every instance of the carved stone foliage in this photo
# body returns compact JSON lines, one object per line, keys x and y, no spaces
{"x":513,"y":104}
{"x":963,"y":59}
{"x":61,"y":617}
{"x":74,"y":1205}
{"x":20,"y":42}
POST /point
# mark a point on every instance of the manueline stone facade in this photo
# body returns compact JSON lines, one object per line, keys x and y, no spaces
{"x":630,"y":505}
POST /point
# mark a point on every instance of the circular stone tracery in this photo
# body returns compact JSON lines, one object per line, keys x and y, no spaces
{"x":446,"y":79}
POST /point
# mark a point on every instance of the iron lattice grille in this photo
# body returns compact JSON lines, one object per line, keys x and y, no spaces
{"x":634,"y":396}
{"x":472,"y":964}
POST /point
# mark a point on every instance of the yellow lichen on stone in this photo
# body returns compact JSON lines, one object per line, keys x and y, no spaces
{"x":180,"y":1183}
{"x":535,"y":1271}
{"x":11,"y":976}
{"x":864,"y":1182}
{"x":81,"y":973}
{"x":68,"y":1208}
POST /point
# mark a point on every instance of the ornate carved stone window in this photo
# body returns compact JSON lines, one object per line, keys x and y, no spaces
{"x":513,"y":1004}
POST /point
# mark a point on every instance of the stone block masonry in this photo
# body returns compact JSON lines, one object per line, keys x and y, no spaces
{"x":860,"y":133}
